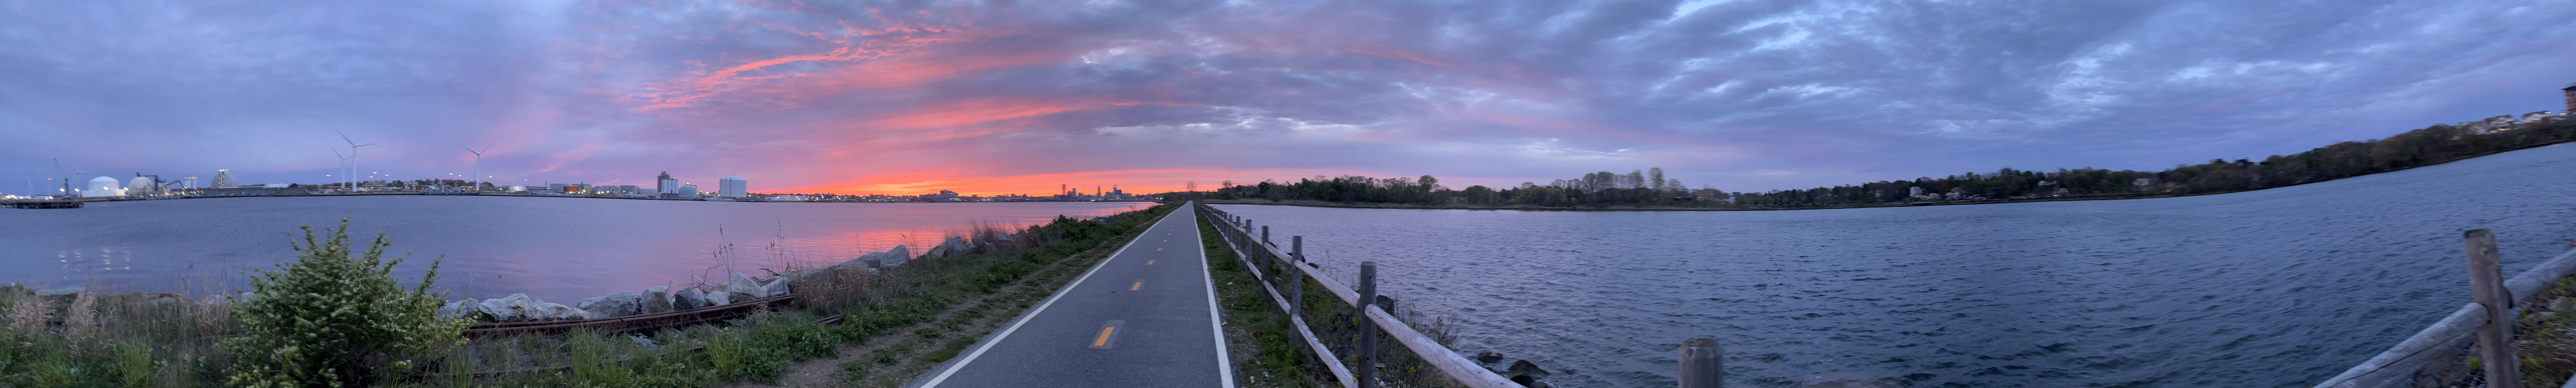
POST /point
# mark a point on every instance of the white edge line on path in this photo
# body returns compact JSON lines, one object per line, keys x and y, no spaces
{"x":1216,"y":324}
{"x":1033,"y":314}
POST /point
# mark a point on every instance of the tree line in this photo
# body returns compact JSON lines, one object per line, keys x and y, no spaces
{"x":1649,"y":187}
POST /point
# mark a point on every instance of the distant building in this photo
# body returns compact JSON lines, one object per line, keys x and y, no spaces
{"x":102,"y":187}
{"x":732,"y":187}
{"x":689,"y":190}
{"x":1708,"y":195}
{"x":666,"y":187}
{"x":223,"y":178}
{"x":2571,"y":97}
{"x":256,"y":191}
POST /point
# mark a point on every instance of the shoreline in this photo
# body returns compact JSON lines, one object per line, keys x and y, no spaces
{"x":1380,"y":205}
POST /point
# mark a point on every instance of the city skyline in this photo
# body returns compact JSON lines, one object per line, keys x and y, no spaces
{"x":989,"y":98}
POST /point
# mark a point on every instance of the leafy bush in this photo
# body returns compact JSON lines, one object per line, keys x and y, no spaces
{"x":331,"y":318}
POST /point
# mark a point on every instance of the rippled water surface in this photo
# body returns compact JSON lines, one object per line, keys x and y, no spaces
{"x":2270,"y":288}
{"x":557,"y":249}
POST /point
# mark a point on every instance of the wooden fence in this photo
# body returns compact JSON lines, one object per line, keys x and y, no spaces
{"x":2410,"y":360}
{"x":1239,"y":238}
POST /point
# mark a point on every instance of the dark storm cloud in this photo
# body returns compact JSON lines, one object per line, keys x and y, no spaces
{"x":1744,"y":94}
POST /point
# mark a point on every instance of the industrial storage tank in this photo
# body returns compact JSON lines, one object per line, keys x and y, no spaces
{"x":142,"y":185}
{"x":102,"y":187}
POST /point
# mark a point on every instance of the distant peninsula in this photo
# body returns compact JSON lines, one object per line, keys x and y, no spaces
{"x":1650,"y":190}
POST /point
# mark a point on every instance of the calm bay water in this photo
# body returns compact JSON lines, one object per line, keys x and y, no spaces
{"x":2270,"y":288}
{"x":557,"y":249}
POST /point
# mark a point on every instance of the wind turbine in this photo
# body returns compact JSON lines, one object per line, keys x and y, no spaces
{"x":344,"y":164}
{"x":353,"y":158}
{"x":478,"y":167}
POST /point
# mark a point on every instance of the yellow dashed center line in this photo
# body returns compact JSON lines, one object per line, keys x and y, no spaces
{"x":1158,"y":249}
{"x":1104,"y":336}
{"x":1149,"y":262}
{"x":1134,"y":287}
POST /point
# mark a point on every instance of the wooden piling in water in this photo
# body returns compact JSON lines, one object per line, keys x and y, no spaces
{"x":2486,"y":286}
{"x":1701,"y":366}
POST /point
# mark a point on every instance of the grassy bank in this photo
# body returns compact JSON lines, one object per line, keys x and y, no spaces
{"x":893,"y":326}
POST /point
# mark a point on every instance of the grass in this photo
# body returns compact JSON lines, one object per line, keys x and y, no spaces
{"x":95,"y":340}
{"x":2547,"y":341}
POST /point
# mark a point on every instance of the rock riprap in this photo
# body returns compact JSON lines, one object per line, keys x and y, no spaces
{"x":689,"y":298}
{"x":738,"y":288}
{"x":657,"y":299}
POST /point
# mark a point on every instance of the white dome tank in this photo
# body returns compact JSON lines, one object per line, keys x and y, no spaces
{"x":141,"y":185}
{"x":102,"y":187}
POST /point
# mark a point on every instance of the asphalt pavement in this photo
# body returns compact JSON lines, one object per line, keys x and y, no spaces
{"x":1144,"y":317}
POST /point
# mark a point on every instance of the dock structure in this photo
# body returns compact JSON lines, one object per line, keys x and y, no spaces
{"x":43,"y":204}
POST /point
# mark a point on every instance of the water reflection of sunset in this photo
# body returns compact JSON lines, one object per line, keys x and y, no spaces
{"x":557,"y":249}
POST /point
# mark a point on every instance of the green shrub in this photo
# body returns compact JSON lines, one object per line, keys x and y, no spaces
{"x":335,"y":317}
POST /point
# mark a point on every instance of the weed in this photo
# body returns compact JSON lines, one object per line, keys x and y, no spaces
{"x":134,"y":363}
{"x":725,"y":350}
{"x":852,"y":372}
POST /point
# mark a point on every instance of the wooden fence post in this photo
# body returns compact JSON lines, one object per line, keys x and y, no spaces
{"x":1367,"y":368}
{"x":1265,"y":236}
{"x":2486,"y":285}
{"x":1701,"y":367}
{"x":1296,"y":275}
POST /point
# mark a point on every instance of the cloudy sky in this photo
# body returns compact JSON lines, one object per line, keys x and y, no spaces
{"x":1002,"y":97}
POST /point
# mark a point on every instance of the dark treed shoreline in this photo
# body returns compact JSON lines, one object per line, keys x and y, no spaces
{"x":1649,"y":190}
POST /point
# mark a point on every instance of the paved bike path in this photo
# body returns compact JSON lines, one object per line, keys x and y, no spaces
{"x":1144,"y":317}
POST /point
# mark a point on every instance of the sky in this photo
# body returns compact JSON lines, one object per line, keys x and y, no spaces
{"x":995,"y":97}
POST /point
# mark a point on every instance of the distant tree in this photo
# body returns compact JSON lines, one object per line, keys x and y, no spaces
{"x":1655,"y":178}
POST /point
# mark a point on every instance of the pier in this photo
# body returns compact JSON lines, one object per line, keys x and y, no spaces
{"x":43,"y":204}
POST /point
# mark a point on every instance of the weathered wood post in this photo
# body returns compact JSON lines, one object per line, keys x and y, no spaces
{"x":1701,"y":366}
{"x":1265,"y":235}
{"x":1296,"y":276}
{"x":2486,"y":286}
{"x":1367,"y":368}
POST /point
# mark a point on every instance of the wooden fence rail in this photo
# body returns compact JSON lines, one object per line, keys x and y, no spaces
{"x":2403,"y":363}
{"x":1440,"y":357}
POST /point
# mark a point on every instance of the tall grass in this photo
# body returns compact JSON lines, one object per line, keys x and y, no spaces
{"x":90,"y":339}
